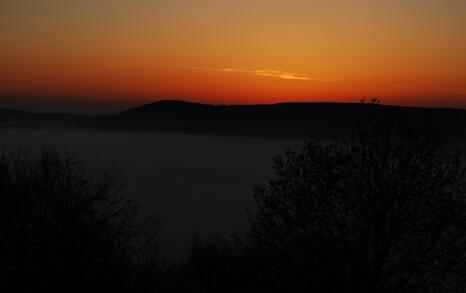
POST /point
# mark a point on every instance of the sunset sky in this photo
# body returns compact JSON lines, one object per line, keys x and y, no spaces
{"x":107,"y":55}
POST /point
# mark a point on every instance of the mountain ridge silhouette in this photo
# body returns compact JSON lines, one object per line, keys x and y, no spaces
{"x":280,"y":119}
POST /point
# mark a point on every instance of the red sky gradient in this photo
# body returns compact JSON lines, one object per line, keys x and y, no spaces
{"x":108,"y":55}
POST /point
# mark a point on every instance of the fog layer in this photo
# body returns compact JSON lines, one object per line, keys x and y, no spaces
{"x":195,"y":183}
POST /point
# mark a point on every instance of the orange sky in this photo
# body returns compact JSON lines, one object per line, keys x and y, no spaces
{"x":84,"y":55}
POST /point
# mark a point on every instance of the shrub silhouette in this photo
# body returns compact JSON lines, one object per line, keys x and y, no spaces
{"x":63,"y":228}
{"x":383,"y":210}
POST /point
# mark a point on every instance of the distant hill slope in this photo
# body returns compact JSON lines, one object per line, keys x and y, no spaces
{"x":288,"y":119}
{"x":12,"y":118}
{"x":285,"y":119}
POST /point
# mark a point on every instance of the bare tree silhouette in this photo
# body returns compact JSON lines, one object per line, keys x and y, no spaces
{"x":64,"y":228}
{"x":383,"y":210}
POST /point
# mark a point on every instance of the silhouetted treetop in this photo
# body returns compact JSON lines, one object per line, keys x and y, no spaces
{"x":64,"y":228}
{"x":383,"y":210}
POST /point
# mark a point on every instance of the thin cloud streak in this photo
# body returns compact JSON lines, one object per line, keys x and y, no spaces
{"x":268,"y":73}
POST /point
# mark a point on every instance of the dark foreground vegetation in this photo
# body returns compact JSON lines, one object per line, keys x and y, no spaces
{"x":380,"y":210}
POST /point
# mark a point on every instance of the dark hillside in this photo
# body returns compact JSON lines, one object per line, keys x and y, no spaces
{"x":285,"y":119}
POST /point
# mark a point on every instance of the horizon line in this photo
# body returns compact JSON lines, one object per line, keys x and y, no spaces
{"x":190,"y":101}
